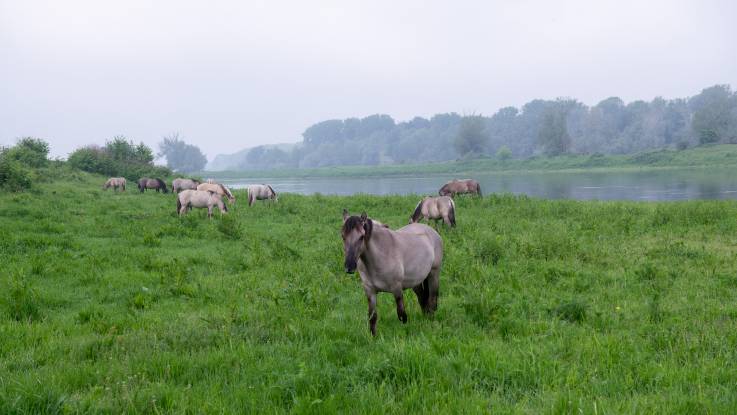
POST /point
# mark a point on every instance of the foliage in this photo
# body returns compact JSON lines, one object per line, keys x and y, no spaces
{"x":471,"y":139}
{"x":118,"y":157}
{"x":19,"y":164}
{"x":181,"y":156}
{"x":29,"y":151}
{"x":504,"y":153}
{"x":551,"y":127}
{"x":636,"y":308}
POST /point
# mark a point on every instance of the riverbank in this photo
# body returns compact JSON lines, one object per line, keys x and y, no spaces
{"x":110,"y":302}
{"x":705,"y":157}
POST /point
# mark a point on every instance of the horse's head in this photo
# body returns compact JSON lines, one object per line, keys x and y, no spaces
{"x":356,"y":233}
{"x":273,"y":193}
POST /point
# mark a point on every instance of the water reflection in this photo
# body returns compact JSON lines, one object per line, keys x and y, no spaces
{"x":652,"y":185}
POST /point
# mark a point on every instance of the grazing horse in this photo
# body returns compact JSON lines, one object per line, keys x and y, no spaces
{"x":116,"y":183}
{"x":187,"y":199}
{"x":261,"y":192}
{"x":146,"y":183}
{"x":219,"y":189}
{"x":439,"y":207}
{"x":456,"y":186}
{"x":392,"y":261}
{"x":184,"y":184}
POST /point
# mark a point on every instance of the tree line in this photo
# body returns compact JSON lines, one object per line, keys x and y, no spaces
{"x":538,"y":128}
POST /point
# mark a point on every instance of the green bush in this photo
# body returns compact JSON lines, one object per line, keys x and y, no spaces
{"x":29,"y":151}
{"x":14,"y":176}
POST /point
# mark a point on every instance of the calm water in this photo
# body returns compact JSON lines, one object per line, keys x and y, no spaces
{"x":659,"y":185}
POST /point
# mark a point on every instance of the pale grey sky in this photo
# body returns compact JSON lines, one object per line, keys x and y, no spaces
{"x":234,"y":74}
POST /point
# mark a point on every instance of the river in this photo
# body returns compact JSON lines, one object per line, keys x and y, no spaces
{"x":628,"y":185}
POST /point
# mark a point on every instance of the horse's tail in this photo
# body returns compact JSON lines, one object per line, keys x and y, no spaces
{"x":418,"y":211}
{"x":478,"y":189}
{"x":251,"y":197}
{"x":179,"y":204}
{"x":162,"y":185}
{"x":452,"y":213}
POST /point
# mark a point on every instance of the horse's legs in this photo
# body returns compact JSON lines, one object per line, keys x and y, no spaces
{"x":421,"y":291}
{"x":433,"y":288}
{"x":209,"y":211}
{"x":399,"y":298}
{"x":372,"y":314}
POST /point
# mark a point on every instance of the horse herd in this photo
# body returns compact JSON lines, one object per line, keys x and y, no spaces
{"x":387,"y":260}
{"x":194,"y":193}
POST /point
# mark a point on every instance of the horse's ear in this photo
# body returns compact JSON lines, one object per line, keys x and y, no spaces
{"x":345,"y":215}
{"x":364,"y":216}
{"x":368,"y":227}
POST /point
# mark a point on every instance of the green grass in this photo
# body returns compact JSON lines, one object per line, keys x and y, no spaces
{"x":111,"y":303}
{"x":699,"y":157}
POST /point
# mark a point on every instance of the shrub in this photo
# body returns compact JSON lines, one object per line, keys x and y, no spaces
{"x":29,"y":151}
{"x":504,"y":153}
{"x":14,"y":176}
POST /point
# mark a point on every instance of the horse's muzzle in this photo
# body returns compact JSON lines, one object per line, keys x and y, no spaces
{"x":350,"y":267}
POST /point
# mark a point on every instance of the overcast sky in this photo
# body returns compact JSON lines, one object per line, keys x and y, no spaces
{"x":234,"y":74}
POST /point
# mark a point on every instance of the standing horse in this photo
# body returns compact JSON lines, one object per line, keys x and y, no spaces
{"x":219,"y":189}
{"x":157,"y":184}
{"x":261,"y":192}
{"x":456,"y":186}
{"x":439,"y":207}
{"x":115,"y":183}
{"x":187,"y":199}
{"x":184,"y":184}
{"x":392,"y":261}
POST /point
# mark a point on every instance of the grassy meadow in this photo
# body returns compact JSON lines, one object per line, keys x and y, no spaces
{"x":111,"y":303}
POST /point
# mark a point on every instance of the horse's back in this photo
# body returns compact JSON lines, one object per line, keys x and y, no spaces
{"x":418,"y":236}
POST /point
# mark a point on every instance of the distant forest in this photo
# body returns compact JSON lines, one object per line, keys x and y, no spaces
{"x":538,"y":128}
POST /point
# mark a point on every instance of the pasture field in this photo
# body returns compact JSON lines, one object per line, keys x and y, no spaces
{"x":111,"y":303}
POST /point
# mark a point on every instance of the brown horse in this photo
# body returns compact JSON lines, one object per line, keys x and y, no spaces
{"x":440,"y":207}
{"x":455,"y":187}
{"x":147,"y":183}
{"x":392,"y":261}
{"x":116,"y":183}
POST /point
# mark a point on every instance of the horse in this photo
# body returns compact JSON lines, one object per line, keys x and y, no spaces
{"x":146,"y":183}
{"x":187,"y":199}
{"x":456,"y":186}
{"x":115,"y":183}
{"x":440,"y":207}
{"x":392,"y":261}
{"x":219,"y":189}
{"x":184,"y":184}
{"x":261,"y":192}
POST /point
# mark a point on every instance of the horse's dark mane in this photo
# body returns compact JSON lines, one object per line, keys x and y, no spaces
{"x":418,"y":211}
{"x":271,"y":188}
{"x":352,"y":223}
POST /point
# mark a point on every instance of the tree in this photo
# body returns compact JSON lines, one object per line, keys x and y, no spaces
{"x":181,"y":156}
{"x":504,"y":153}
{"x":715,"y":115}
{"x":29,"y":151}
{"x":472,"y":136}
{"x":553,"y":135}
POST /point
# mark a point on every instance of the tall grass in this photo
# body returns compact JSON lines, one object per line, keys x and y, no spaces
{"x":113,"y":303}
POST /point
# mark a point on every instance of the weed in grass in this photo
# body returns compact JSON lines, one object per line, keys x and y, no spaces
{"x":572,"y":312}
{"x":23,"y":302}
